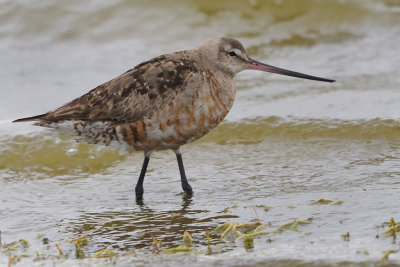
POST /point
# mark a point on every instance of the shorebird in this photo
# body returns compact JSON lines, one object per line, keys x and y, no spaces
{"x":162,"y":103}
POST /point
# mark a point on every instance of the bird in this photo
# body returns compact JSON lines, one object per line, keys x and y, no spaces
{"x":160,"y":104}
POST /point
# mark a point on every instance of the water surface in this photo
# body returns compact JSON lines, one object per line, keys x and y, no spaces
{"x":285,"y":144}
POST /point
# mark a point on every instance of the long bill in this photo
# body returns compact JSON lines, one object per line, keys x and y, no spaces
{"x":256,"y":65}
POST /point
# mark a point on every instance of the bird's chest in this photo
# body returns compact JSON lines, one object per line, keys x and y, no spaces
{"x":191,"y":115}
{"x":214,"y":102}
{"x":204,"y":109}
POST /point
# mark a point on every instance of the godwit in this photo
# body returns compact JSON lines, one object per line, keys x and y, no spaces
{"x":162,"y":103}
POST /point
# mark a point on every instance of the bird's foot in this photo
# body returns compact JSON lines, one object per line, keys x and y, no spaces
{"x":187,"y":189}
{"x":139,"y":201}
{"x":139,"y":192}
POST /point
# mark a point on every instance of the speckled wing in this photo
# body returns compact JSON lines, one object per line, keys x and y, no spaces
{"x":149,"y":86}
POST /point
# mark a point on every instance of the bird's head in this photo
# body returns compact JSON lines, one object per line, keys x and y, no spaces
{"x":229,"y":55}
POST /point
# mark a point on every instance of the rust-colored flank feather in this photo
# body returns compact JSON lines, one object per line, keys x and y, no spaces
{"x":160,"y":104}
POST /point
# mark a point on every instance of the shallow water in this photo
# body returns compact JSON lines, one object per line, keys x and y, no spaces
{"x":286,"y":142}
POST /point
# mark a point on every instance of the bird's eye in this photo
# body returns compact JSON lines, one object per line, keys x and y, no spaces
{"x":232,"y":53}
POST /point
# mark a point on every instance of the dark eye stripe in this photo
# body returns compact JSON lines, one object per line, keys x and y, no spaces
{"x":232,"y":53}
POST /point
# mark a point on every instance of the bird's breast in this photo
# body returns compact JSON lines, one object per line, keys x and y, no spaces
{"x":191,"y":115}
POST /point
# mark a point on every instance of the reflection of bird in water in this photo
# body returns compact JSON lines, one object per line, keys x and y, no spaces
{"x":162,"y":103}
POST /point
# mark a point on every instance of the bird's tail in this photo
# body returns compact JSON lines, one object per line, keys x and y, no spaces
{"x":33,"y":118}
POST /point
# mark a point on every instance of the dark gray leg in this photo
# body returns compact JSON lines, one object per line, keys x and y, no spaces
{"x":185,"y":184}
{"x":139,"y":186}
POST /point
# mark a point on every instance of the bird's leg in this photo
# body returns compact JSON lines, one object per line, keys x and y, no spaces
{"x":139,"y":186}
{"x":185,"y":184}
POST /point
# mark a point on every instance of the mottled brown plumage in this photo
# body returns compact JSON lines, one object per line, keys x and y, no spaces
{"x":162,"y":103}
